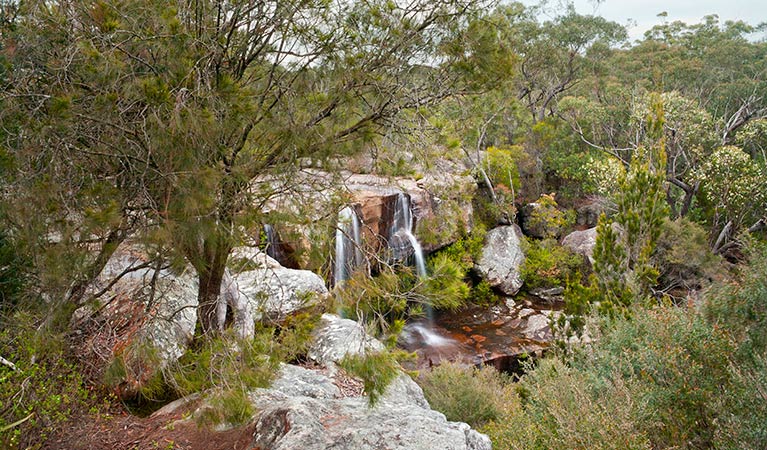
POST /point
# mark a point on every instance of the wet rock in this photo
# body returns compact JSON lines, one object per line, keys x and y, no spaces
{"x":550,"y":295}
{"x":502,"y":258}
{"x":537,"y":327}
{"x":441,"y":206}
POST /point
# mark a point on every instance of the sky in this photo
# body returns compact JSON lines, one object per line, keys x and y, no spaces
{"x":643,"y":13}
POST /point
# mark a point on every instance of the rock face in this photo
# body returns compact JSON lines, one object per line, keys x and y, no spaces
{"x":502,"y":258}
{"x":304,"y":409}
{"x":272,"y":291}
{"x":441,"y":205}
{"x":587,"y":215}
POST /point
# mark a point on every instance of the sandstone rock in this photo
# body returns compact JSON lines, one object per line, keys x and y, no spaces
{"x":550,"y":295}
{"x":303,"y":408}
{"x":582,"y":243}
{"x":587,"y":215}
{"x":273,"y":291}
{"x":146,"y":327}
{"x":537,"y":328}
{"x":349,"y":424}
{"x":502,"y":258}
{"x":441,"y":205}
{"x":335,"y":337}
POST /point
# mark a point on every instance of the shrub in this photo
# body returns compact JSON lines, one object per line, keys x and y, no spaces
{"x":376,"y":370}
{"x":676,"y":366}
{"x":386,"y":300}
{"x":467,"y":394}
{"x":548,"y":264}
{"x":684,"y":256}
{"x":45,"y":390}
{"x":547,"y":220}
{"x":562,"y":408}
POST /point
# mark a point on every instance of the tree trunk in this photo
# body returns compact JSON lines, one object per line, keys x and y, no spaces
{"x":113,"y":240}
{"x":207,"y":296}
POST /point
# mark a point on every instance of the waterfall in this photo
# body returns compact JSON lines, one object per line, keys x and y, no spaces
{"x":348,"y":245}
{"x":272,"y":242}
{"x":402,"y":227}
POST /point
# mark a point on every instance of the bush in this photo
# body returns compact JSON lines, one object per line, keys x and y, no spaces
{"x":684,"y":257}
{"x":546,"y":220}
{"x":676,"y":366}
{"x":467,"y":394}
{"x":376,"y":370}
{"x":548,"y":264}
{"x":45,"y":390}
{"x":385,"y":301}
{"x":562,"y":408}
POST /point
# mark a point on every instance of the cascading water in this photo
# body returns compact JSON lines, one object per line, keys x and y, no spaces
{"x":402,"y":229}
{"x":348,"y":245}
{"x":272,"y":243}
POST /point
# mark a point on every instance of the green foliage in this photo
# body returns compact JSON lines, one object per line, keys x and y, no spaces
{"x":46,"y":387}
{"x":684,"y":256}
{"x":483,"y":294}
{"x":563,"y":408}
{"x":624,"y":265}
{"x":547,"y":220}
{"x":229,"y":368}
{"x":467,"y":394}
{"x":224,"y":367}
{"x":734,"y":186}
{"x":664,"y":378}
{"x":13,"y":271}
{"x":444,"y":288}
{"x":565,"y":161}
{"x":466,"y":250}
{"x":376,"y":370}
{"x":457,"y":259}
{"x":548,"y":264}
{"x":502,"y":166}
{"x":741,"y":307}
{"x":395,"y":294}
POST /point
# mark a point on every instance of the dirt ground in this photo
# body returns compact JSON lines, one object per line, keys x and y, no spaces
{"x":123,"y":431}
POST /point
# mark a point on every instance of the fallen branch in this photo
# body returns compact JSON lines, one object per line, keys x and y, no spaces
{"x":17,"y":423}
{"x":5,"y":362}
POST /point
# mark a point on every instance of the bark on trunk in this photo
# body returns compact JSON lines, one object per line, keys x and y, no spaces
{"x":207,"y":296}
{"x":113,"y":240}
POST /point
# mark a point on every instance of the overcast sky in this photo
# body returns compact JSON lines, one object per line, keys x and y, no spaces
{"x":643,"y":13}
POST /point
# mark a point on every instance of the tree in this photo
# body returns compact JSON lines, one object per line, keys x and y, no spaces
{"x":625,"y":269}
{"x":194,"y":113}
{"x":556,"y":53}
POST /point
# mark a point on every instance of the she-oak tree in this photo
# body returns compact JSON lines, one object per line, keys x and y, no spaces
{"x":175,"y":119}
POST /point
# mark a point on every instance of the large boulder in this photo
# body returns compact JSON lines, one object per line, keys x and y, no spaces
{"x":502,"y":258}
{"x":582,"y":243}
{"x":305,"y":409}
{"x":319,"y":406}
{"x":144,"y":316}
{"x":272,"y":291}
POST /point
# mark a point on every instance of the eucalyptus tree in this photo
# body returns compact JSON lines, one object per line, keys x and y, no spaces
{"x":193,"y":113}
{"x":556,"y":54}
